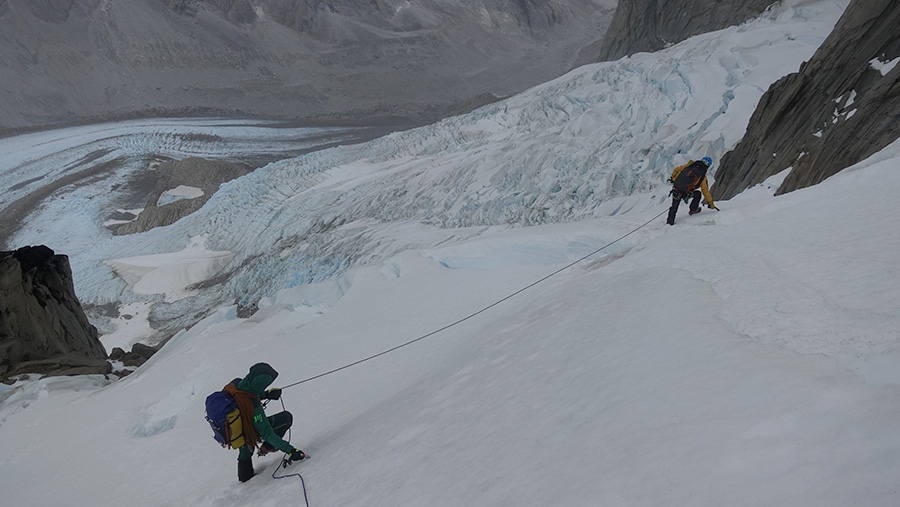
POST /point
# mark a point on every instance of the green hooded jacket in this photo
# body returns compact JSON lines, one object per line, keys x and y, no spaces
{"x":256,"y":382}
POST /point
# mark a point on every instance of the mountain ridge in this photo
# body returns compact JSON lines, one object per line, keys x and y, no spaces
{"x":94,"y":60}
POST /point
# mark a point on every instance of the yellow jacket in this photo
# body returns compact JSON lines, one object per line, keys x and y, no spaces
{"x":704,"y":186}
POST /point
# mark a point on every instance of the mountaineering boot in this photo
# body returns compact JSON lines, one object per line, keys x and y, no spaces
{"x":245,"y":469}
{"x":694,"y":211}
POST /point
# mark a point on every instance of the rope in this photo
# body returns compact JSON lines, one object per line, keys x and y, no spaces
{"x":285,"y":460}
{"x":479,"y":312}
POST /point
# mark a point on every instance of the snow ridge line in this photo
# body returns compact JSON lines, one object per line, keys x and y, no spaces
{"x":479,"y":312}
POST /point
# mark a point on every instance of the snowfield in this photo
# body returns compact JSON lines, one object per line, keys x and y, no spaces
{"x":749,"y":356}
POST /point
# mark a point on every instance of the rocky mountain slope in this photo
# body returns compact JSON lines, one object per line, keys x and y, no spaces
{"x":650,"y":25}
{"x":84,"y":60}
{"x":841,"y":107}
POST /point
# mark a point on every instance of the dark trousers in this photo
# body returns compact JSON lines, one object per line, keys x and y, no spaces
{"x":677,"y":197}
{"x":280,"y":422}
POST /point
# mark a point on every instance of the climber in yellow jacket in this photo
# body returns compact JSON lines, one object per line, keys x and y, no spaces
{"x":685,"y":182}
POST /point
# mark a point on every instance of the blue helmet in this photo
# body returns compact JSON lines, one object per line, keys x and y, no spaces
{"x":707,"y":161}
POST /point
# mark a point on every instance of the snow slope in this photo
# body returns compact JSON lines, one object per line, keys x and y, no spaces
{"x":654,"y":374}
{"x":741,"y":357}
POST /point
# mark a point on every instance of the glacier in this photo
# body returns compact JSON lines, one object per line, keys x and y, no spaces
{"x":741,"y":357}
{"x":598,"y":141}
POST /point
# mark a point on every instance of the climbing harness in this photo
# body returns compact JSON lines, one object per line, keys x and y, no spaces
{"x":479,"y":312}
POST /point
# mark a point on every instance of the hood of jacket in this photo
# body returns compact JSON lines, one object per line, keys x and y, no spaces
{"x":260,"y":377}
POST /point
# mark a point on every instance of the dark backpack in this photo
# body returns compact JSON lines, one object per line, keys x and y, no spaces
{"x":690,"y":177}
{"x":224,"y":418}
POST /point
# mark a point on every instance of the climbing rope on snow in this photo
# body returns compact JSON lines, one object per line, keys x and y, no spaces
{"x":479,"y":312}
{"x":285,"y":461}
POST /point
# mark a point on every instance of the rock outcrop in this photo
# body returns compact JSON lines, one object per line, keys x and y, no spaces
{"x":650,"y":25}
{"x":139,"y":355}
{"x":841,"y":107}
{"x":195,"y":173}
{"x":43,"y":328}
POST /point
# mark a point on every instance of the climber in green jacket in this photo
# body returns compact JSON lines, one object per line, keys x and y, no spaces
{"x":269,"y":430}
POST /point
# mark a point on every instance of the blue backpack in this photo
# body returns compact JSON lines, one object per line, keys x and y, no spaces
{"x":224,"y":417}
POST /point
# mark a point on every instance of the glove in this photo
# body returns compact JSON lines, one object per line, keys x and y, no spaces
{"x":297,"y":455}
{"x":273,"y":394}
{"x":710,"y":205}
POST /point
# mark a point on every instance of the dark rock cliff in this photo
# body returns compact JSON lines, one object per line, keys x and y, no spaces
{"x":842,"y":106}
{"x":650,"y":25}
{"x":43,"y":328}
